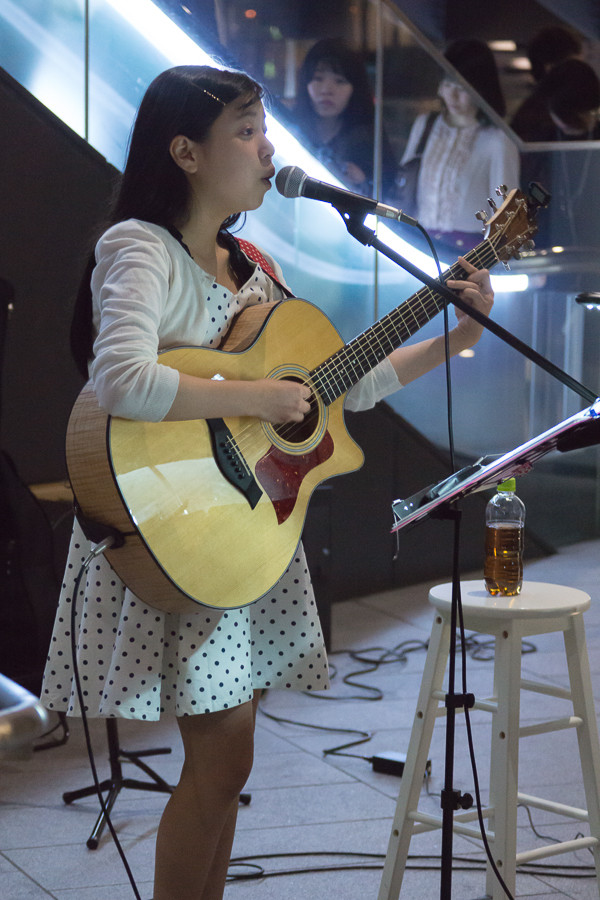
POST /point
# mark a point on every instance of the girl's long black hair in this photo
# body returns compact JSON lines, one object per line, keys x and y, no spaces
{"x":182,"y":100}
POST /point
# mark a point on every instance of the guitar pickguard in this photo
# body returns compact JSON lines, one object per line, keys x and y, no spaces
{"x":281,"y":474}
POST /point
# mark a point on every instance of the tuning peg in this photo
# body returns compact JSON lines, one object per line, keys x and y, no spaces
{"x":483,"y":218}
{"x":502,"y":191}
{"x":492,"y":203}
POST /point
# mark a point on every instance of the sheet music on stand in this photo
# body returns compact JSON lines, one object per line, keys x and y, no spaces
{"x":580,"y":430}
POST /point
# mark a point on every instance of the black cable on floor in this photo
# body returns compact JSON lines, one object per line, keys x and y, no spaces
{"x":419,"y":862}
{"x":364,"y":736}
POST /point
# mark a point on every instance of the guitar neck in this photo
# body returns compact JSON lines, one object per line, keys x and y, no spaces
{"x":345,"y":368}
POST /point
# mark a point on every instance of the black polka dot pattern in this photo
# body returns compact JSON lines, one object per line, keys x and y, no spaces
{"x":137,"y":662}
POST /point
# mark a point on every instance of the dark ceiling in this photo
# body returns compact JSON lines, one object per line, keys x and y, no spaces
{"x":440,"y":20}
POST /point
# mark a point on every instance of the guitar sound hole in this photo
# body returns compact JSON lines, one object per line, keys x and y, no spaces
{"x":299,"y":432}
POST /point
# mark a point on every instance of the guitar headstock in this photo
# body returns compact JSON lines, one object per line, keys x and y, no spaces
{"x":513,"y":224}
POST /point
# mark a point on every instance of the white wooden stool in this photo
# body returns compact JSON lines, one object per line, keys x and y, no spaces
{"x":538,"y":609}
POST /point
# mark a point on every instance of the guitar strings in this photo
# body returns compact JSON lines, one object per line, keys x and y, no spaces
{"x":349,"y":356}
{"x":324,"y":382}
{"x":328,"y":378}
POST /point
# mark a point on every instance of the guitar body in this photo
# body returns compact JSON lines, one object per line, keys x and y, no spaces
{"x":192,"y":534}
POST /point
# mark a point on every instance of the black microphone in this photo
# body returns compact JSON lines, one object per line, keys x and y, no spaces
{"x":291,"y":181}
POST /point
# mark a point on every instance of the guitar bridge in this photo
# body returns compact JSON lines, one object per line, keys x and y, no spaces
{"x":231,"y":463}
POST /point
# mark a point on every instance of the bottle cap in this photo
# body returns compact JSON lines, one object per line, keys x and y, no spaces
{"x":509,"y":485}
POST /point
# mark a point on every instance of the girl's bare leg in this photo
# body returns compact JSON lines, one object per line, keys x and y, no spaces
{"x":197,"y":826}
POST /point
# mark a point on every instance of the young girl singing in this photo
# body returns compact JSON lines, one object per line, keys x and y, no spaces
{"x":166,"y":273}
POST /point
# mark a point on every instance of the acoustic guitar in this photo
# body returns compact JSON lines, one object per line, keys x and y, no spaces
{"x":210,"y":512}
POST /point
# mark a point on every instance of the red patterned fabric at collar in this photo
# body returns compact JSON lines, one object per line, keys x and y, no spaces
{"x":256,"y":256}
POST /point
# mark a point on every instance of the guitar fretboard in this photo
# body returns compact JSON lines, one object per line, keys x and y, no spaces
{"x":344,"y":369}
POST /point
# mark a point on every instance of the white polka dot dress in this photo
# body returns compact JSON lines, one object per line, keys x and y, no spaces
{"x":137,"y":662}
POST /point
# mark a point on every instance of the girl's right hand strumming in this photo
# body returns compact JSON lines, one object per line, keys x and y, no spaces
{"x":281,"y":401}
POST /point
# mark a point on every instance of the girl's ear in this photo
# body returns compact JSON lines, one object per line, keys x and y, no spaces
{"x":183,"y":152}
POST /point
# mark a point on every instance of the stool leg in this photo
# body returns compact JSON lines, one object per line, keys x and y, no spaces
{"x":582,"y":695}
{"x":416,"y":760}
{"x":504,"y":768}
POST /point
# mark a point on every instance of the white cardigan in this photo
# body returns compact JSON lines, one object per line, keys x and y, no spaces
{"x":149,"y":295}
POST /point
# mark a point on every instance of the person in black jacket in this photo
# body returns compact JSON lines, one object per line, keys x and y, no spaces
{"x":563,"y":107}
{"x":335,"y":110}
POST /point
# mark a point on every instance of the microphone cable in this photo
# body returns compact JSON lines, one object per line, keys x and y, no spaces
{"x":449,"y":413}
{"x":96,"y":551}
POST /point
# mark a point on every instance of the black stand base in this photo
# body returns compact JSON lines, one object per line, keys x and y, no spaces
{"x":116,"y":782}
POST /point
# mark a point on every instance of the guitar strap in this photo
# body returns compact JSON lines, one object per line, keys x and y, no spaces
{"x":246,"y":247}
{"x":256,"y":256}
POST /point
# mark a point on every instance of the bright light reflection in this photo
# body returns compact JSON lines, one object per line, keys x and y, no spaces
{"x":510,"y":284}
{"x":502,"y":284}
{"x":56,"y":70}
{"x":502,"y":46}
{"x":521,"y":63}
{"x":162,"y":32}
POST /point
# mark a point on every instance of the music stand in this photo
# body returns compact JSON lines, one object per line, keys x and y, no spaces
{"x":580,"y":430}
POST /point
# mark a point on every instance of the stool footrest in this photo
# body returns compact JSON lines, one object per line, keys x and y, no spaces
{"x":553,"y":806}
{"x":487,"y":705}
{"x":553,"y":725}
{"x":552,"y":690}
{"x":426,"y":822}
{"x":554,"y":849}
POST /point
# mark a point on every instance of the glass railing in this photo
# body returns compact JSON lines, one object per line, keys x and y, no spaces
{"x":90,"y":62}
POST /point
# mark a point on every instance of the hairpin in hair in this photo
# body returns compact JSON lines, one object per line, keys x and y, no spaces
{"x":210,"y":94}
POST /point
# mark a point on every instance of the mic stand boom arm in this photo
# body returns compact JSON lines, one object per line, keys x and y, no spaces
{"x":367,"y":236}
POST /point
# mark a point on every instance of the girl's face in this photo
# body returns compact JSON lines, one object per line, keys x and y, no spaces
{"x":233,"y":167}
{"x":329,"y":92}
{"x":458,"y":101}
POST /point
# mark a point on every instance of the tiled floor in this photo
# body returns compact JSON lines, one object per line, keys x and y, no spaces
{"x":321,"y":821}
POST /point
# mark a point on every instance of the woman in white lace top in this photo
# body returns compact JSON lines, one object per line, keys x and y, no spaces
{"x":465,"y":157}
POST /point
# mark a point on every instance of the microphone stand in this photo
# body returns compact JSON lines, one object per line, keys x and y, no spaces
{"x":451,"y":800}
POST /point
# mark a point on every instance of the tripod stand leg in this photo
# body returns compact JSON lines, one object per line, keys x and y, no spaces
{"x":94,"y":838}
{"x":69,"y":796}
{"x":116,"y":782}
